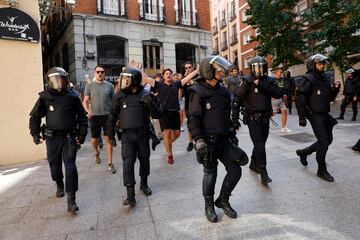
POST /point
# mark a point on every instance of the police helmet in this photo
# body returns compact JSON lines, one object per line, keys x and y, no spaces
{"x":58,"y":78}
{"x":258,"y":66}
{"x":130,"y":80}
{"x":210,"y":64}
{"x":310,"y":62}
{"x":350,"y":71}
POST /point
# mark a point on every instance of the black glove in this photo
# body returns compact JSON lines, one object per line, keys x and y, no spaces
{"x":302,"y":121}
{"x":113,"y":142}
{"x":81,"y":139}
{"x":236,"y":124}
{"x":202,"y":150}
{"x":37,"y":139}
{"x":146,"y":98}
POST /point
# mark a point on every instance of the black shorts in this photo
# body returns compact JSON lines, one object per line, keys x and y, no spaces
{"x":96,"y":123}
{"x":170,"y":120}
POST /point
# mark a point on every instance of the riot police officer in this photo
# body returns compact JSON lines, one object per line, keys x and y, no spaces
{"x":66,"y":128}
{"x":132,"y":107}
{"x":350,"y":95}
{"x":254,"y":94}
{"x":314,"y":94}
{"x":209,"y":124}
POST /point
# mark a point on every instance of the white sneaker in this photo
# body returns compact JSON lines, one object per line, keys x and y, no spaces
{"x":182,"y":129}
{"x":286,"y":130}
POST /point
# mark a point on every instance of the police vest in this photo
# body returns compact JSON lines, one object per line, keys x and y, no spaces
{"x":321,"y":91}
{"x":216,"y":105}
{"x":133,"y":113}
{"x":61,"y":110}
{"x":256,"y":100}
{"x":350,"y":87}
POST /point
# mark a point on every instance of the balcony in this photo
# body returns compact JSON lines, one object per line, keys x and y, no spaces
{"x":233,"y":39}
{"x":224,"y":45}
{"x":106,"y":7}
{"x":187,"y":18}
{"x":222,"y":23}
{"x":215,"y":50}
{"x":151,"y":12}
{"x":232,"y":16}
{"x":214,"y":30}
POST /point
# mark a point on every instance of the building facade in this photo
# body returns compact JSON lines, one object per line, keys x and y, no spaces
{"x":155,"y":33}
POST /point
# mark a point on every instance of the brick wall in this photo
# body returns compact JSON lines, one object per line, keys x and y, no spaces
{"x":203,"y":10}
{"x":170,"y":12}
{"x":86,"y":7}
{"x":132,"y":9}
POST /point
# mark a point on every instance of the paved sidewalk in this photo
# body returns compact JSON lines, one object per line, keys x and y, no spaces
{"x":297,"y":204}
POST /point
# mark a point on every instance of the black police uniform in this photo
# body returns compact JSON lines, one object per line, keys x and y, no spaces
{"x":133,"y":111}
{"x":258,"y":110}
{"x":314,"y":94}
{"x":209,"y":119}
{"x":350,"y":91}
{"x":65,"y":121}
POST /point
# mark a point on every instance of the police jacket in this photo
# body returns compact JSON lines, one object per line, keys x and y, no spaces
{"x":256,"y":98}
{"x":209,"y":110}
{"x":131,"y":111}
{"x":350,"y":87}
{"x":63,"y":111}
{"x":314,"y":94}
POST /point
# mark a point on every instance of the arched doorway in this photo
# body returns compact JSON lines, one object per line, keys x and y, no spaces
{"x":185,"y":52}
{"x":112,"y":55}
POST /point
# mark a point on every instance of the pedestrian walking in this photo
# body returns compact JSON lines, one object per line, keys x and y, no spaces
{"x":350,"y":95}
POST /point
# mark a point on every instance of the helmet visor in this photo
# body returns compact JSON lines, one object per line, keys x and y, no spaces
{"x":259,"y":69}
{"x":125,"y":80}
{"x":57,"y":82}
{"x":221,"y":64}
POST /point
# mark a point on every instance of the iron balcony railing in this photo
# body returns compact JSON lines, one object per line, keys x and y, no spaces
{"x":187,"y":18}
{"x":151,"y":12}
{"x":232,"y":15}
{"x":110,"y":7}
{"x":222,"y":23}
{"x":214,"y":29}
{"x":233,"y":39}
{"x":224,"y":45}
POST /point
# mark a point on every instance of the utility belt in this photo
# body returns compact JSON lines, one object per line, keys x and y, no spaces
{"x":257,"y":117}
{"x":50,"y":133}
{"x":143,"y":130}
{"x":215,"y":138}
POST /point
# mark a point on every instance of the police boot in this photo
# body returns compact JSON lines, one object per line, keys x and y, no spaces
{"x":144,"y":186}
{"x":223,"y":202}
{"x":209,"y":209}
{"x":72,"y":207}
{"x":325,"y":175}
{"x":252,"y":165}
{"x":353,"y":118}
{"x":356,"y":147}
{"x":341,"y":117}
{"x":303,"y":153}
{"x":60,"y":189}
{"x":265,"y":179}
{"x":130,"y":200}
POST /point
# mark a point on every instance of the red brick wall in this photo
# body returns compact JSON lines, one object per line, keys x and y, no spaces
{"x":203,"y":10}
{"x":132,"y":9}
{"x":86,"y":7}
{"x":170,"y":13}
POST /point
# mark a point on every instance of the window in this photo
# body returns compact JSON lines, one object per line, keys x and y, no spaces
{"x":233,"y":36}
{"x":232,"y":11}
{"x":184,"y":52}
{"x":244,"y":17}
{"x":111,"y":7}
{"x":246,"y":62}
{"x":111,"y":54}
{"x":152,"y":10}
{"x":257,"y":32}
{"x":299,"y":9}
{"x":246,"y":38}
{"x":186,"y":14}
{"x":152,"y":54}
{"x":235,"y":58}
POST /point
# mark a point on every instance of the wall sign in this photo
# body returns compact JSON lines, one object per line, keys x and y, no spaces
{"x":17,"y":25}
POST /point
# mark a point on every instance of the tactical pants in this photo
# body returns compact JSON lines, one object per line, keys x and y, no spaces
{"x":259,"y":132}
{"x":233,"y":171}
{"x":135,"y":144}
{"x":322,"y":125}
{"x":58,"y":151}
{"x":345,"y":102}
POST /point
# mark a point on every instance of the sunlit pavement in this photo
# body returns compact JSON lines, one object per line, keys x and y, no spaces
{"x":296,"y":205}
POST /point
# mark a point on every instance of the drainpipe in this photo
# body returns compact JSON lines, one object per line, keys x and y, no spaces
{"x":84,"y":60}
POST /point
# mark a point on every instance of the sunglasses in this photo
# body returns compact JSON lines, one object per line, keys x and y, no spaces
{"x":188,"y":67}
{"x":101,"y":72}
